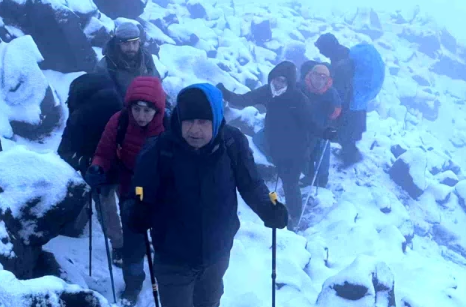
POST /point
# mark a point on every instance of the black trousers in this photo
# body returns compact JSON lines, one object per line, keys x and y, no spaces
{"x":186,"y":286}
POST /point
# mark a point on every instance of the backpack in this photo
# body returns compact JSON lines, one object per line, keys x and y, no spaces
{"x":369,"y":75}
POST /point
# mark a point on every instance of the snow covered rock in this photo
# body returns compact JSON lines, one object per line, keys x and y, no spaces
{"x":460,"y":190}
{"x":99,"y":30}
{"x":425,"y":102}
{"x":261,"y":31}
{"x":408,"y":172}
{"x":39,"y":194}
{"x":196,"y":9}
{"x":45,"y":291}
{"x":27,"y":104}
{"x":427,"y":40}
{"x":365,"y":283}
{"x":448,"y":178}
{"x":57,"y":31}
{"x":367,"y":21}
{"x":121,"y":8}
{"x":448,"y":41}
{"x":450,"y":67}
{"x":397,"y":150}
{"x":295,"y":52}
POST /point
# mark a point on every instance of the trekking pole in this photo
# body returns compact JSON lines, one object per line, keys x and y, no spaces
{"x":155,"y":290}
{"x":140,"y":194}
{"x":89,"y":212}
{"x":313,"y":182}
{"x":104,"y":230}
{"x":273,"y":198}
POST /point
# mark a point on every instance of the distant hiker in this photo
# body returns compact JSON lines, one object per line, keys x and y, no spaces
{"x":123,"y":138}
{"x":125,"y":59}
{"x":288,"y":129}
{"x":92,"y":101}
{"x":352,"y":123}
{"x":316,"y":82}
{"x":188,"y":178}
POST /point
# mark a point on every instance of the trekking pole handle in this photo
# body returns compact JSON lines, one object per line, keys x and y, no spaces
{"x":273,"y":198}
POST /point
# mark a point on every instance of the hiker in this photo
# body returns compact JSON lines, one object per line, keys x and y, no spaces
{"x":316,"y":83}
{"x":288,"y":129}
{"x":351,"y":123}
{"x":125,"y":59}
{"x":141,"y":119}
{"x":189,"y":178}
{"x":92,"y":101}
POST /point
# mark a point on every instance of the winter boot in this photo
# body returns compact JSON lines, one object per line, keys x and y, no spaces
{"x":117,"y":257}
{"x":129,"y":297}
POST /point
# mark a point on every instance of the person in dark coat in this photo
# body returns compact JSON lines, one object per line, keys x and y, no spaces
{"x":188,"y":179}
{"x":316,"y":83}
{"x":288,"y":129}
{"x":92,"y":101}
{"x":125,"y":59}
{"x":351,"y":124}
{"x":145,"y":106}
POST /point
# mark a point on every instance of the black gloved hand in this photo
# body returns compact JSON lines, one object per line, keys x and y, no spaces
{"x":278,"y":216}
{"x":225,"y":92}
{"x":330,"y":134}
{"x":95,"y":176}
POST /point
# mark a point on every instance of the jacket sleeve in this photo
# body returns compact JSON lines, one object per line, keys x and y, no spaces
{"x":106,"y":152}
{"x":137,"y":213}
{"x":257,"y":96}
{"x":306,"y":116}
{"x":248,"y":181}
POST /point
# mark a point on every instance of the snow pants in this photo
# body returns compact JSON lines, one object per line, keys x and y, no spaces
{"x":134,"y":251}
{"x":289,"y":172}
{"x":186,"y":286}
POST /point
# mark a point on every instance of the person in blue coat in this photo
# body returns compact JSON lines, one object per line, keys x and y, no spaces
{"x":188,"y":177}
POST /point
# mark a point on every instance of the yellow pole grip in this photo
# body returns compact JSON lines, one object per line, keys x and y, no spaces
{"x":273,"y":197}
{"x":140,"y":193}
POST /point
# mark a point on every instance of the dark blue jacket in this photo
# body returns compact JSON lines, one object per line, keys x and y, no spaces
{"x":190,"y":199}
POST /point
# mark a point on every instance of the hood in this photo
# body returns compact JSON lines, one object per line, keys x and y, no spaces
{"x":285,"y":69}
{"x":148,"y":89}
{"x":329,"y":46}
{"x":85,"y":86}
{"x":215,"y":98}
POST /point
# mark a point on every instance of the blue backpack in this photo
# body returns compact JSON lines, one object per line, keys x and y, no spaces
{"x":369,"y":75}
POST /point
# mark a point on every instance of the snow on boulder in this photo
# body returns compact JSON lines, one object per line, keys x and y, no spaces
{"x":295,"y":52}
{"x":261,"y":30}
{"x":45,"y":291}
{"x":365,"y":283}
{"x":460,"y":190}
{"x":27,"y":105}
{"x":409,"y":172}
{"x":121,"y":8}
{"x":425,"y":102}
{"x":366,"y":21}
{"x":427,"y":40}
{"x":57,"y":31}
{"x":196,"y":9}
{"x":39,"y":195}
{"x":99,"y":30}
{"x":448,"y":178}
{"x":450,"y":67}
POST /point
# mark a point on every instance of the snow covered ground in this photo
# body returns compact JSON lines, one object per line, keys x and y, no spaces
{"x":366,"y":226}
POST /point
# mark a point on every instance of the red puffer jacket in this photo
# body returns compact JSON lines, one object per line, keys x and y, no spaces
{"x":148,"y":89}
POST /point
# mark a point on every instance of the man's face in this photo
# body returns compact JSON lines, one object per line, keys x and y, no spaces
{"x":197,"y":133}
{"x":142,"y":115}
{"x":130,"y":48}
{"x":279,"y":83}
{"x":318,"y":80}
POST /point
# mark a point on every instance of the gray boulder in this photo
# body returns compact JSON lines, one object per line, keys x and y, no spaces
{"x":408,"y":172}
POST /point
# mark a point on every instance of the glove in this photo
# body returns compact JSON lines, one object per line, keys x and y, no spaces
{"x":330,"y":134}
{"x":278,"y":217}
{"x":95,"y":176}
{"x":225,"y":92}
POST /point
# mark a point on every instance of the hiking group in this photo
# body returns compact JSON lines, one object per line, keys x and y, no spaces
{"x":176,"y":171}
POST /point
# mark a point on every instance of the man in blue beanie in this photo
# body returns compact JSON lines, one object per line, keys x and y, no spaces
{"x":187,"y":180}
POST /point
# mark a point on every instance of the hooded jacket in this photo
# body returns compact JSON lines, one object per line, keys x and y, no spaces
{"x":148,"y":89}
{"x":120,"y":70}
{"x":289,"y":122}
{"x":190,"y":199}
{"x":92,"y":102}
